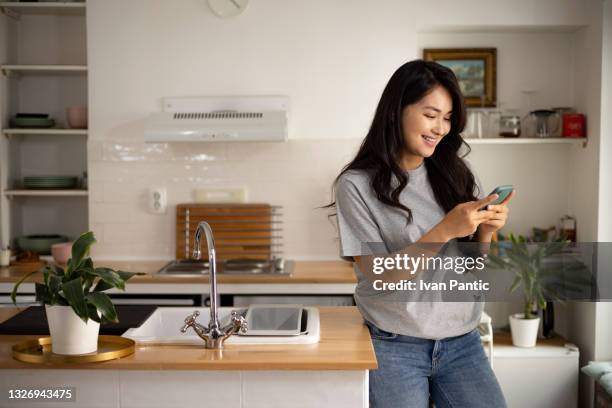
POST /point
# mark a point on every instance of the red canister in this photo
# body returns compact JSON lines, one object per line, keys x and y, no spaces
{"x":574,"y":125}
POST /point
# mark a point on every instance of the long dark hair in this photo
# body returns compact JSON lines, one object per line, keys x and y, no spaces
{"x":451,"y":179}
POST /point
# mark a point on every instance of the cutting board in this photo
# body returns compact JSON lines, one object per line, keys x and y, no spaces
{"x":241,"y":231}
{"x":33,"y":320}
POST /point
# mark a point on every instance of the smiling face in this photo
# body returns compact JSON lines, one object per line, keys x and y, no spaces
{"x":424,"y":124}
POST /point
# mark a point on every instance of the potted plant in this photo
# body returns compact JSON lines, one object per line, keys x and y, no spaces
{"x":74,"y":300}
{"x":540,"y":271}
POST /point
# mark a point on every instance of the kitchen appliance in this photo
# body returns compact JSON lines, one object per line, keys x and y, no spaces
{"x":542,"y":123}
{"x":219,"y":119}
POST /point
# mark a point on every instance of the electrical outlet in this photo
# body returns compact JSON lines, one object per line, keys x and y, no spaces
{"x":158,"y":201}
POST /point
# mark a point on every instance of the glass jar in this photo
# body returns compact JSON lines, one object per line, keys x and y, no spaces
{"x":510,"y":126}
{"x":492,"y":122}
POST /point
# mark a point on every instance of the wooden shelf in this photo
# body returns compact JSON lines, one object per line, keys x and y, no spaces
{"x":528,"y":140}
{"x":47,"y":193}
{"x":43,"y":69}
{"x":16,"y":9}
{"x":44,"y":131}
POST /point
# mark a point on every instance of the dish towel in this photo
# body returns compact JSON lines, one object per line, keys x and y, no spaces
{"x":602,"y":372}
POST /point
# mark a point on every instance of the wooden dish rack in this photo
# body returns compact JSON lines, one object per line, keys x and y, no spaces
{"x":241,"y":231}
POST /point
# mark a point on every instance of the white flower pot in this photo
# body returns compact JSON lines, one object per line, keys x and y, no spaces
{"x":69,"y":334}
{"x":524,"y":331}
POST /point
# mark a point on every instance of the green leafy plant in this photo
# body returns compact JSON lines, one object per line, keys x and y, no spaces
{"x":539,"y":270}
{"x":80,"y":285}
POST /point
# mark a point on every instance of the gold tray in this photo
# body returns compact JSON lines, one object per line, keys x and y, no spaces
{"x":39,"y":351}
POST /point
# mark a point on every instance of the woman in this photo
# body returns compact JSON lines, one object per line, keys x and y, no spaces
{"x":406,"y":188}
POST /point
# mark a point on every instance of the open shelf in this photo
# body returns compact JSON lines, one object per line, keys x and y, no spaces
{"x":498,"y":29}
{"x":48,"y":193}
{"x":528,"y":140}
{"x":44,"y":131}
{"x":15,"y":9}
{"x":45,"y":81}
{"x":43,"y":69}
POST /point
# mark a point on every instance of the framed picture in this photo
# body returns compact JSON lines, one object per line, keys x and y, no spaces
{"x":475,"y":69}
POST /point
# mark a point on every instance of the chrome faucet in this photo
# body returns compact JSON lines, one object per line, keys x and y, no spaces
{"x":214,"y":336}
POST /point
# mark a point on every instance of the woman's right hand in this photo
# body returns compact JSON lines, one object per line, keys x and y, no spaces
{"x":464,"y":219}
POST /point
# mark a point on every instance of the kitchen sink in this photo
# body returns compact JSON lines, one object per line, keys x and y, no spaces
{"x":193,"y":267}
{"x":185,"y":266}
{"x":163,"y":327}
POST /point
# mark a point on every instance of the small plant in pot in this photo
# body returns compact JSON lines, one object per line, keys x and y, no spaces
{"x":74,"y":300}
{"x":541,"y":272}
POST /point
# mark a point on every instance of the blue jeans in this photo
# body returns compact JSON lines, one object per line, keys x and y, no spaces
{"x":454,"y":371}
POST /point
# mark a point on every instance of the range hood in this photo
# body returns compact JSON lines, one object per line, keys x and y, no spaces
{"x":219,"y":119}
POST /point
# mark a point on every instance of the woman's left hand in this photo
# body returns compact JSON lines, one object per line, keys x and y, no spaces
{"x":498,"y":220}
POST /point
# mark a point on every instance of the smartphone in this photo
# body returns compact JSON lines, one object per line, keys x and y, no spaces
{"x":503,"y":192}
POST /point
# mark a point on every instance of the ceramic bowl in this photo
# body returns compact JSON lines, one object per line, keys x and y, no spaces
{"x":40,"y":243}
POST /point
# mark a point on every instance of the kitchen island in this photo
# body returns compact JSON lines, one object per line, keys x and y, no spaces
{"x":332,"y":373}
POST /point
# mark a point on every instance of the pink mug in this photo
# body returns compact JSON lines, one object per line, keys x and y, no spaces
{"x":61,"y":252}
{"x":77,"y":117}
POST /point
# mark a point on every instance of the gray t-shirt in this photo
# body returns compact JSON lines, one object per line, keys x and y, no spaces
{"x":363,"y":219}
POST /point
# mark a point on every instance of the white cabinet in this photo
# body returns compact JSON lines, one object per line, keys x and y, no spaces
{"x":44,"y":70}
{"x":545,"y":376}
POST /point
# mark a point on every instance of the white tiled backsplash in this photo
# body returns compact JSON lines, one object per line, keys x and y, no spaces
{"x":296,"y":175}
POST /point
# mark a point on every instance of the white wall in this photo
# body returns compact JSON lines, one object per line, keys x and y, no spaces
{"x":603,"y":333}
{"x":585,"y":180}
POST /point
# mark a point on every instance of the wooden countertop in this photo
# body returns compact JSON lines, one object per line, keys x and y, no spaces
{"x":304,"y":272}
{"x":504,"y":338}
{"x":345,"y":345}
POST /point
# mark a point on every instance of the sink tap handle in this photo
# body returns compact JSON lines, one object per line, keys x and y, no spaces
{"x":190,"y":321}
{"x":239,"y":323}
